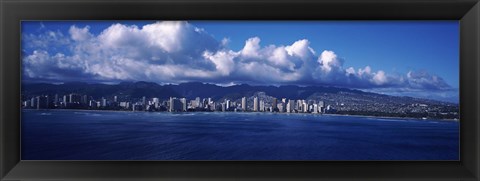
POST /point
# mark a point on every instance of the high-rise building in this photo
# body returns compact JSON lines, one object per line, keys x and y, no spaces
{"x":255,"y":104}
{"x":193,"y":104}
{"x":274,"y":104}
{"x":55,"y":101}
{"x":144,"y":101}
{"x":227,"y":106}
{"x":47,"y":101}
{"x":281,"y":107}
{"x":123,"y":104}
{"x":84,"y":99}
{"x":315,"y":108}
{"x":298,"y":106}
{"x":321,"y":107}
{"x":156,"y":102}
{"x":176,"y":105}
{"x":205,"y":103}
{"x":171,"y":104}
{"x":244,"y":103}
{"x":104,"y":102}
{"x":197,"y":100}
{"x":74,"y":98}
{"x":92,"y":104}
{"x":65,"y":100}
{"x":33,"y":102}
{"x":284,"y":100}
{"x":262,"y":105}
{"x":138,"y":107}
{"x":115,"y":99}
{"x":290,"y":106}
{"x":184,"y":104}
{"x":42,"y":102}
{"x":213,"y":106}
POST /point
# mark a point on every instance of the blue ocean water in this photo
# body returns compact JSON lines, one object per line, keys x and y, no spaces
{"x":109,"y":135}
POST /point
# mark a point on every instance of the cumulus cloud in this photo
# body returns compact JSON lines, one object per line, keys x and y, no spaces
{"x":53,"y":40}
{"x":80,"y":34}
{"x":251,"y":48}
{"x":379,"y":78}
{"x":176,"y":51}
{"x":328,"y":61}
{"x":40,"y":64}
{"x":424,"y":80}
{"x":223,"y":61}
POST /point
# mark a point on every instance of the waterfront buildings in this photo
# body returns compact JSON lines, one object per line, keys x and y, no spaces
{"x":173,"y":104}
{"x":258,"y":103}
{"x":262,"y":105}
{"x":290,"y":106}
{"x":274,"y":105}
{"x":256,"y":106}
{"x":176,"y":105}
{"x":244,"y":104}
{"x":104,"y":102}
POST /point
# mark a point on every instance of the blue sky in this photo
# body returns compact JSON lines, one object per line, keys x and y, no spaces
{"x":413,"y":58}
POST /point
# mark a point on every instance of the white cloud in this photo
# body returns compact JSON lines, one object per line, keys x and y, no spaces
{"x":172,"y":52}
{"x":280,"y":58}
{"x":350,"y":71}
{"x":223,"y":61}
{"x":166,"y":35}
{"x":251,"y":48}
{"x":80,"y":34}
{"x":365,"y":71}
{"x":380,"y":78}
{"x":48,"y":39}
{"x":329,"y":60}
{"x":121,"y":36}
{"x":424,"y":80}
{"x":300,"y":48}
{"x":34,"y":63}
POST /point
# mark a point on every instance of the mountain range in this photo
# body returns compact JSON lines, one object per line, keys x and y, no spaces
{"x":191,"y":90}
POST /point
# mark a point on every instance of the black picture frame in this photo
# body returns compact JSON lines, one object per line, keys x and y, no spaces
{"x":466,"y":11}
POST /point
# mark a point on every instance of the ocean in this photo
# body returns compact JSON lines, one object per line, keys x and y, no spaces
{"x":114,"y":135}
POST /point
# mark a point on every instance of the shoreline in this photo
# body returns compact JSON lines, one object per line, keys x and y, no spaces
{"x":324,"y":114}
{"x":389,"y":117}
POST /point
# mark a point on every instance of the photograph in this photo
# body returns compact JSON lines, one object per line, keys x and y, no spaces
{"x":239,"y":90}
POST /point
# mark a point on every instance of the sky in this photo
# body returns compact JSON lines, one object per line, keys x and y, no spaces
{"x":405,"y":58}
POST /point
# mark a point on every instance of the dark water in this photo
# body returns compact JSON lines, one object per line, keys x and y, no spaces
{"x":96,"y":135}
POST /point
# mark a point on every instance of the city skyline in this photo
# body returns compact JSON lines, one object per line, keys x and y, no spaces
{"x":319,"y":100}
{"x":224,"y":53}
{"x":255,"y":103}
